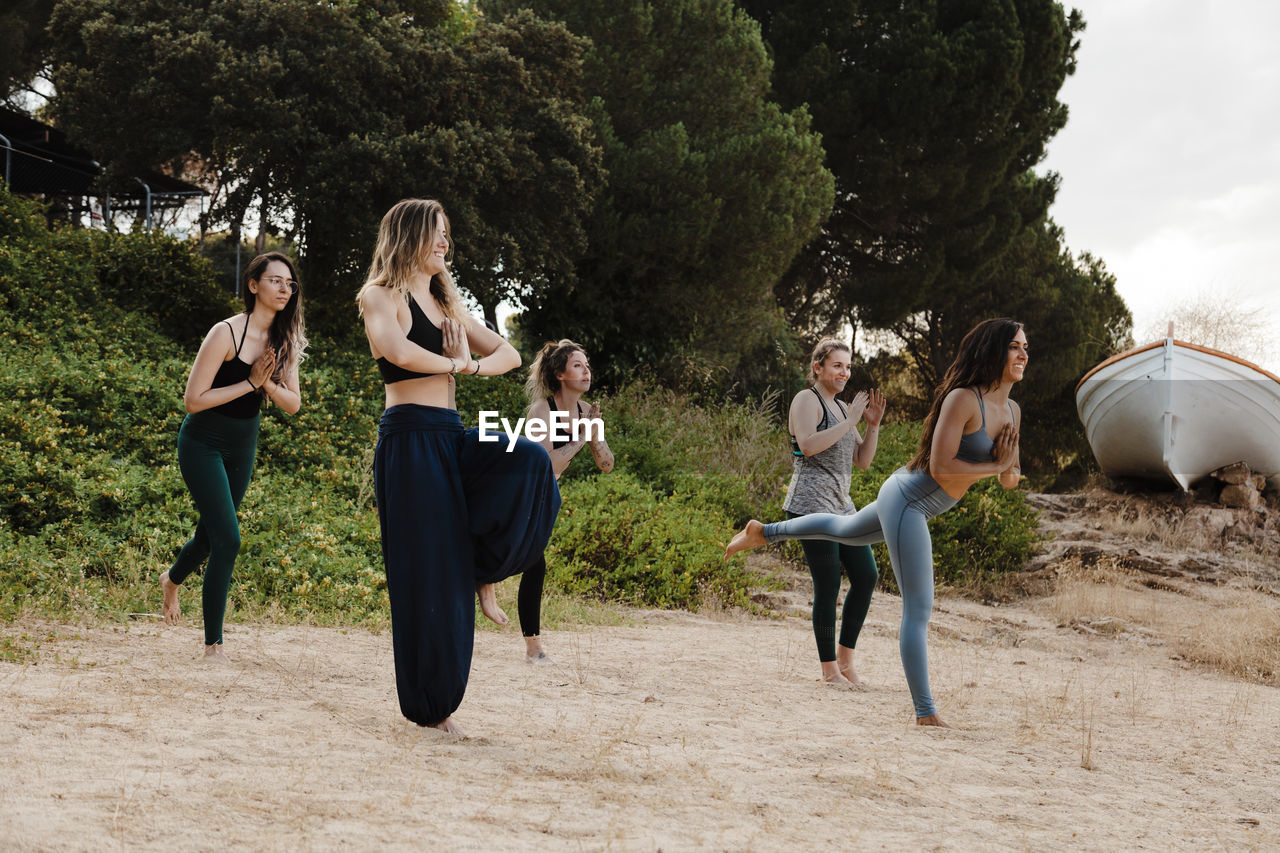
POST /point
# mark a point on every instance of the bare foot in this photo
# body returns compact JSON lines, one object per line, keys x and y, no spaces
{"x":851,"y":676}
{"x":751,"y":536}
{"x":170,"y":609}
{"x":489,"y":604}
{"x":834,"y":675}
{"x":215,"y":654}
{"x":448,"y":725}
{"x":533,"y":652}
{"x":932,"y":720}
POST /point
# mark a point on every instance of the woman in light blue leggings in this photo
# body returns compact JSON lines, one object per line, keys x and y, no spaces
{"x":957,"y":450}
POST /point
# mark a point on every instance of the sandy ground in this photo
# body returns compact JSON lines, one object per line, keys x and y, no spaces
{"x":678,"y":732}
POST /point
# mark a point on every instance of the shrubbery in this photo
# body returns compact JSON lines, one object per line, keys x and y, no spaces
{"x":93,"y":507}
{"x":616,"y":538}
{"x":91,"y":501}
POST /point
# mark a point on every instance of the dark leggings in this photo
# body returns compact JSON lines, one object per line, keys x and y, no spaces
{"x":529,"y":598}
{"x":825,"y":560}
{"x":215,"y":453}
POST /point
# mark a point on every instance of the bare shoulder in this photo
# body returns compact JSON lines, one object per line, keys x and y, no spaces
{"x":222,"y":330}
{"x":962,"y":399}
{"x":805,"y":401}
{"x":375,"y":297}
{"x":539,"y":409}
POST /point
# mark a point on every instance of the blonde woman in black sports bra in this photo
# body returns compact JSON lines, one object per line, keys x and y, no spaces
{"x":457,"y":514}
{"x":558,"y":377}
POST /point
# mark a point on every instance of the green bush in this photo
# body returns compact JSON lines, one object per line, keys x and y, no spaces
{"x":161,"y":277}
{"x":734,"y":456}
{"x":93,"y":507}
{"x":618,"y":539}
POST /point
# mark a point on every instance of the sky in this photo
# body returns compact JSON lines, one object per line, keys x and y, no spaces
{"x":1170,"y":160}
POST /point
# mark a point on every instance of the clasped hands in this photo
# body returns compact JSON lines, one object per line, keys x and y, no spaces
{"x":456,"y":347}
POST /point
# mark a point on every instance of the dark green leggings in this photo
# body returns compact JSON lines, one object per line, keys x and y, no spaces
{"x":825,"y":560}
{"x":215,"y":453}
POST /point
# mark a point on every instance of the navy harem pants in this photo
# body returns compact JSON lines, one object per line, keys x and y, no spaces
{"x":454,"y":512}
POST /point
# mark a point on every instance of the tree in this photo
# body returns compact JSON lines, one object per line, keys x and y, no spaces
{"x":1073,"y":316}
{"x":24,"y":45}
{"x":320,"y":116}
{"x":712,"y":190}
{"x":932,"y":115}
{"x":1224,"y":320}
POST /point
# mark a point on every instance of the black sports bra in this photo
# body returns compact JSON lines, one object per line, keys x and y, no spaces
{"x":551,"y":404}
{"x":233,"y":372}
{"x":422,"y":332}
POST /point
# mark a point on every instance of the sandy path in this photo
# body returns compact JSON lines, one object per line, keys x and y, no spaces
{"x":681,"y":732}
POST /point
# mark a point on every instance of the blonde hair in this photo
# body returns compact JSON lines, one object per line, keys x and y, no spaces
{"x":407,"y":232}
{"x":824,"y":348}
{"x":553,"y":358}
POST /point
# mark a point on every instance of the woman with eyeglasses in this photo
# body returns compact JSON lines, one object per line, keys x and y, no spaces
{"x":244,"y":359}
{"x":459,"y":510}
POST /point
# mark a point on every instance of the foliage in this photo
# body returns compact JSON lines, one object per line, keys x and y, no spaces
{"x":131,"y":268}
{"x":932,"y":115}
{"x":1074,"y":318}
{"x":734,"y":455}
{"x":24,"y":45}
{"x":618,"y":539}
{"x":712,"y":190}
{"x":322,"y":115}
{"x":93,"y":508}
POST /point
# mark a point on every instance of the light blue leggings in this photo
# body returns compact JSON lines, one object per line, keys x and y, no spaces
{"x":899,"y":518}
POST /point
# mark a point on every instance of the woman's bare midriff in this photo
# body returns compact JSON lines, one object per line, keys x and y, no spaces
{"x":955,"y":487}
{"x":427,"y":391}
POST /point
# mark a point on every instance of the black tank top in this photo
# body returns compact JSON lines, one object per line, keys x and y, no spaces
{"x":551,"y":405}
{"x":422,"y":332}
{"x":233,"y":372}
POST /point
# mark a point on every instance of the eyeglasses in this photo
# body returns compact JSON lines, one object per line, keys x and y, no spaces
{"x":280,"y":283}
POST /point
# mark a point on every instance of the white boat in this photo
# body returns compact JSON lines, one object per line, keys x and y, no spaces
{"x":1179,"y":411}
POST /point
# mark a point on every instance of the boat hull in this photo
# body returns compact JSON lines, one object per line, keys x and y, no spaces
{"x":1177,"y":411}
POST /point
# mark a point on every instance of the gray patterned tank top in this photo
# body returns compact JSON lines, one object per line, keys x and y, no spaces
{"x":820,"y":483}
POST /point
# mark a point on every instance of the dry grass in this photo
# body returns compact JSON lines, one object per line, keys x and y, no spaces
{"x":1236,"y":631}
{"x":1106,"y":599}
{"x":1157,"y":526}
{"x":1241,"y":638}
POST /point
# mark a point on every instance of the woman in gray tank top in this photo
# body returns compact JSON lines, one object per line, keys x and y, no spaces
{"x":825,"y":445}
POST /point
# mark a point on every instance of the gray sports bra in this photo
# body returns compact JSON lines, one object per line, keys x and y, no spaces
{"x":977,"y":445}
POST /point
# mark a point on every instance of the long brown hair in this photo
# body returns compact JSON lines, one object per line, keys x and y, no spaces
{"x":406,"y":234}
{"x":553,"y":358}
{"x":288,"y":332}
{"x":979,"y":363}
